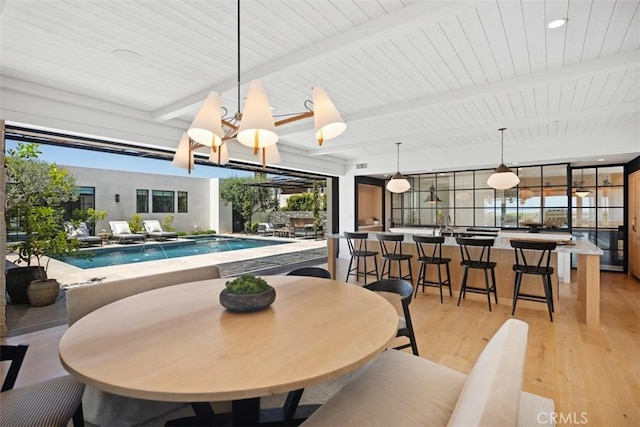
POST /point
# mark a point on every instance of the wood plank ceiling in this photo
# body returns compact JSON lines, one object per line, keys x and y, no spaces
{"x":439,"y":76}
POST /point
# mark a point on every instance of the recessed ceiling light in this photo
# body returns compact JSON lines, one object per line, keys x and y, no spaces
{"x":601,"y":160}
{"x":128,"y":56}
{"x":557,"y":23}
{"x":514,"y":163}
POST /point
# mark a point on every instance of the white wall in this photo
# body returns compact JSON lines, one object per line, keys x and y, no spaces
{"x":221,"y":215}
{"x":108,"y":183}
{"x":346,"y":187}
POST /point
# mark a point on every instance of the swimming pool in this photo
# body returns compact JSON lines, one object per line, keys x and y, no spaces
{"x":120,"y":254}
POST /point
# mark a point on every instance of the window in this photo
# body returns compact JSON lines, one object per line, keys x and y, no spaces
{"x":183,"y":202}
{"x":142,"y":201}
{"x":464,"y":199}
{"x":162,"y":201}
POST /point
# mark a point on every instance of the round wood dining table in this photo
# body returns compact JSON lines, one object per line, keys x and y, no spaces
{"x":179,"y":344}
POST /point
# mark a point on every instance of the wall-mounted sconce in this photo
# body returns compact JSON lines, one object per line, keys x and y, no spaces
{"x":117,"y":198}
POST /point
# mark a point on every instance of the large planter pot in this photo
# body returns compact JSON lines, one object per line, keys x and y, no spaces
{"x":247,"y":302}
{"x":18,"y":279}
{"x":43,"y":292}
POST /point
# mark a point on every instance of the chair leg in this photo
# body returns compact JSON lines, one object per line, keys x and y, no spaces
{"x":421,"y":275}
{"x":495,"y":287}
{"x":516,"y":291}
{"x":486,"y":285}
{"x":349,"y":269}
{"x":463,"y":286}
{"x":78,"y":417}
{"x":410,"y":272}
{"x":449,"y":280}
{"x":414,"y":345}
{"x":440,"y":283}
{"x":546,"y":283}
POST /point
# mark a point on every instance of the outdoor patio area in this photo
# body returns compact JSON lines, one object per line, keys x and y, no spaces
{"x":275,"y":259}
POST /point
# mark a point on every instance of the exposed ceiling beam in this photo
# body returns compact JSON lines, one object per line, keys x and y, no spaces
{"x":441,"y":134}
{"x":418,"y":14}
{"x":611,"y":63}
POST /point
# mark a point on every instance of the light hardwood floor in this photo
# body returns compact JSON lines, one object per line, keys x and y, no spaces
{"x":595,"y":371}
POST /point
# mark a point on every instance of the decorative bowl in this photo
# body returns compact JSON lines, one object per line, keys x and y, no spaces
{"x":247,"y":302}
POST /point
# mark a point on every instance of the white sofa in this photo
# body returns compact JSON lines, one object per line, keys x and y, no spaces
{"x":106,"y":409}
{"x":400,"y":389}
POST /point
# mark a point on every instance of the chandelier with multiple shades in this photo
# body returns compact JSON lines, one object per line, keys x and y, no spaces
{"x":254,"y":127}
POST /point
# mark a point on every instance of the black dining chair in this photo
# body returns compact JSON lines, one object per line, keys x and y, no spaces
{"x":533,"y":258}
{"x":48,"y":403}
{"x":432,"y":257}
{"x":310,"y":272}
{"x":405,"y":290}
{"x":359,"y":252}
{"x":475,"y":254}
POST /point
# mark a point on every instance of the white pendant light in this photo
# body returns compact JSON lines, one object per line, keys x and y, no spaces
{"x":257,"y":128}
{"x":502,"y":177}
{"x":206,"y":128}
{"x":398,"y":183}
{"x":326,"y":119}
{"x":219,"y":155}
{"x":184,"y":154}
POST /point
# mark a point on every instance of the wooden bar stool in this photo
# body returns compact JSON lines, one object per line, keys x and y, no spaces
{"x":535,"y":262}
{"x":478,"y":259}
{"x":391,"y":251}
{"x":435,"y":258}
{"x":357,"y":243}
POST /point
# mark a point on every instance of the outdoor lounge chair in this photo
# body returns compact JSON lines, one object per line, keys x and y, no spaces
{"x":155,"y":231}
{"x":121,"y":232}
{"x":82,"y":234}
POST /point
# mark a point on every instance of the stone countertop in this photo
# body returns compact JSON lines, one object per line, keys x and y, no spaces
{"x":566,"y":243}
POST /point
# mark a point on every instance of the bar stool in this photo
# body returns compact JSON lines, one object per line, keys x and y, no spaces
{"x":478,"y":258}
{"x":539,"y":267}
{"x":357,"y":243}
{"x":391,"y":251}
{"x":434,"y":259}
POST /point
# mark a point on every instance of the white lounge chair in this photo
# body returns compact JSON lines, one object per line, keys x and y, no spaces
{"x":122,"y":233}
{"x":82,"y":234}
{"x":155,"y":231}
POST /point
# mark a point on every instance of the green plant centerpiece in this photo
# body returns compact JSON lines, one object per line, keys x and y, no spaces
{"x":247,"y":293}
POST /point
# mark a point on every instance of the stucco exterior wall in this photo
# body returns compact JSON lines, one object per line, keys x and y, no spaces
{"x":108,"y":183}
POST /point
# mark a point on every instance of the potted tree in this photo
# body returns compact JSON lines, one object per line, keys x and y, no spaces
{"x":31,"y":184}
{"x":48,"y":240}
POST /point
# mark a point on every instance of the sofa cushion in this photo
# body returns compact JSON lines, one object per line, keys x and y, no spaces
{"x":491,"y":394}
{"x":397,"y":388}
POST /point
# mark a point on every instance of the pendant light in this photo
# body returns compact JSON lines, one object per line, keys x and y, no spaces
{"x":581,"y":191}
{"x":502,"y":177}
{"x":398,"y":183}
{"x":432,"y":198}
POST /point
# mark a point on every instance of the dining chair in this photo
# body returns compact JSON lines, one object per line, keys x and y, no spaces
{"x":534,"y":261}
{"x":310,"y":272}
{"x":405,"y":290}
{"x":48,"y":403}
{"x":475,"y":254}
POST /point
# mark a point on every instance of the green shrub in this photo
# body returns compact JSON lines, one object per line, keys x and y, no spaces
{"x":247,"y":284}
{"x":167,"y":223}
{"x":135,"y":224}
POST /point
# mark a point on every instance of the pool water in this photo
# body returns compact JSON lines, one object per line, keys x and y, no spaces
{"x":121,"y":254}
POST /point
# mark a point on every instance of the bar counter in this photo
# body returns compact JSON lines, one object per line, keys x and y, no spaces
{"x":588,"y":270}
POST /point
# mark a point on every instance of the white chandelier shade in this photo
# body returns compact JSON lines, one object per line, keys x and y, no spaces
{"x":184,"y":154}
{"x":206,"y":128}
{"x":257,"y":128}
{"x":270,"y":155}
{"x":327,"y":120}
{"x":219,"y":155}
